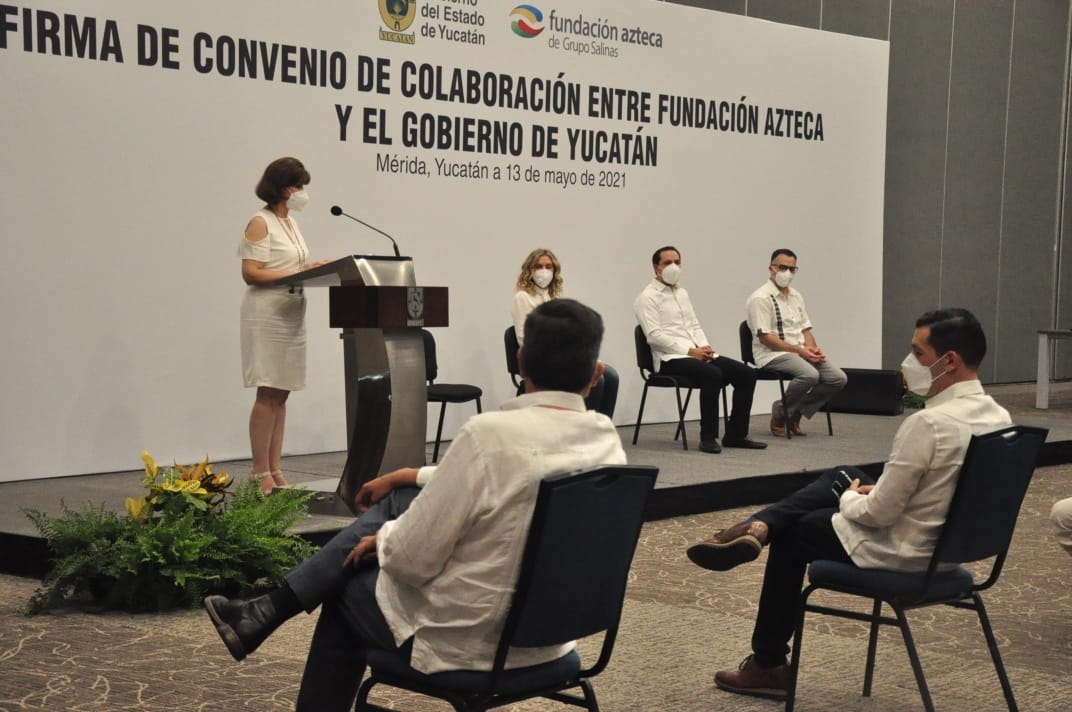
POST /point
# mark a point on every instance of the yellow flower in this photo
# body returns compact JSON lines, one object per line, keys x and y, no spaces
{"x":138,"y":508}
{"x":150,"y":465}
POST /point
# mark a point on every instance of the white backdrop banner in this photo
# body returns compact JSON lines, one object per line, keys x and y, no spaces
{"x":473,"y":131}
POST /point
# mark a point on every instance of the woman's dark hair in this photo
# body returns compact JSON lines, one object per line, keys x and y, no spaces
{"x":562,"y":339}
{"x":955,"y":330}
{"x":282,"y":173}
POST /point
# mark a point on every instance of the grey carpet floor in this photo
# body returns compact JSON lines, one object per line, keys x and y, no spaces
{"x":680,"y":624}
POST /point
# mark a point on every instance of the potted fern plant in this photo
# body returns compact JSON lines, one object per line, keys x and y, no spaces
{"x":190,"y":535}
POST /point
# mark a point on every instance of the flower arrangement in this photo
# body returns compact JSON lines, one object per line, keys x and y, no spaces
{"x":190,"y":535}
{"x":189,"y":486}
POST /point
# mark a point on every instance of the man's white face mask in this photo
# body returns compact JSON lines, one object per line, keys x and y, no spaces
{"x":918,"y":377}
{"x":671,"y":274}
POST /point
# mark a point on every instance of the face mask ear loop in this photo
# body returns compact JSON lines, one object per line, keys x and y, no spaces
{"x":943,"y":373}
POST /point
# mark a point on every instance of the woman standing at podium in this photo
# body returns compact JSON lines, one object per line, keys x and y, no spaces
{"x":273,"y":318}
{"x":541,"y":281}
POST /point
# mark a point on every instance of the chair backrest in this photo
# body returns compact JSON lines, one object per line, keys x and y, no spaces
{"x":990,"y":489}
{"x":580,"y":546}
{"x":644,"y":360}
{"x":431,"y":365}
{"x":744,"y":333}
{"x":512,"y":346}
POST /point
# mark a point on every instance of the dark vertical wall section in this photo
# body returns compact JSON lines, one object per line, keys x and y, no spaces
{"x":917,"y":122}
{"x":1029,"y":227}
{"x":975,"y":155}
{"x":977,"y":133}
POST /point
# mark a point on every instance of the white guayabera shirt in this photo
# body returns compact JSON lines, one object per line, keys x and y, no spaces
{"x":896,"y":525}
{"x":448,"y":565}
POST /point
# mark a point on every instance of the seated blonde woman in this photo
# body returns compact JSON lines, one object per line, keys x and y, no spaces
{"x":541,"y":281}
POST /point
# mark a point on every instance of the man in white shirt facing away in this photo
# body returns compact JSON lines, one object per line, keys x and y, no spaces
{"x":1061,"y":516}
{"x":447,"y":557}
{"x":846,"y":516}
{"x":783,"y":341}
{"x":680,"y":348}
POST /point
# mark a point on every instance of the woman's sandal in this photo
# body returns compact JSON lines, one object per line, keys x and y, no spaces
{"x":265,"y":479}
{"x":277,"y":477}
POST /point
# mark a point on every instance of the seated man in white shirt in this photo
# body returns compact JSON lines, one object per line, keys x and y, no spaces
{"x":448,"y":563}
{"x":783,"y":341}
{"x":680,"y":348}
{"x":1061,"y":516}
{"x":848,"y":517}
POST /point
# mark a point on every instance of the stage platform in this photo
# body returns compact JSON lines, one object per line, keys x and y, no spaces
{"x":689,"y":482}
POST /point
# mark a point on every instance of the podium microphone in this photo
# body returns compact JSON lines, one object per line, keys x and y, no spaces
{"x":337,"y":211}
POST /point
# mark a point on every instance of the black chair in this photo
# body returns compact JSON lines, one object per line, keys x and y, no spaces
{"x":744,"y":333}
{"x":571,"y":585}
{"x":982,"y":516}
{"x":646,"y":364}
{"x":512,"y":346}
{"x":443,"y":393}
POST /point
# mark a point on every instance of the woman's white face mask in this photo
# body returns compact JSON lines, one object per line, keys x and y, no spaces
{"x":543,"y":277}
{"x":297,"y":200}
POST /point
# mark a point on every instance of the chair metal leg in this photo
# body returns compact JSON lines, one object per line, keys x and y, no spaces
{"x":681,"y":416}
{"x":589,"y":696}
{"x":640,"y":413}
{"x":439,"y":431}
{"x":588,"y":701}
{"x":725,"y":411}
{"x":913,"y":657}
{"x":794,"y":658}
{"x":788,"y":430}
{"x":478,"y":409}
{"x":829,"y":425}
{"x":872,"y":646}
{"x":361,"y":703}
{"x":992,"y":643}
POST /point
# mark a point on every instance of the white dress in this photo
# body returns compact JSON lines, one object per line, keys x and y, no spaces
{"x":273,"y":318}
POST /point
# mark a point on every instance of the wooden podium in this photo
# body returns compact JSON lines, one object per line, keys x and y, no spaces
{"x":381,"y":310}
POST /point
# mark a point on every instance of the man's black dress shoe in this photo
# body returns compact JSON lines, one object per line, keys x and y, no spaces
{"x":710,"y":446}
{"x":745,"y":443}
{"x":243,"y":625}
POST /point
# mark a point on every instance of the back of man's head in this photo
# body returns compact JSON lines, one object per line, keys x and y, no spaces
{"x":957,"y":330}
{"x":562,"y":339}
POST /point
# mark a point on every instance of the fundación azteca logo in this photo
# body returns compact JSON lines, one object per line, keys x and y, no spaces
{"x":526,"y":21}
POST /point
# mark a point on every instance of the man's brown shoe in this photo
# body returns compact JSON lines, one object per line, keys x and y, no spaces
{"x":777,"y":422}
{"x":730,"y":547}
{"x":751,"y":679}
{"x":794,"y":427}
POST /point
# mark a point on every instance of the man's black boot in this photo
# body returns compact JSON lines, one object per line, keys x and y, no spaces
{"x":243,"y":625}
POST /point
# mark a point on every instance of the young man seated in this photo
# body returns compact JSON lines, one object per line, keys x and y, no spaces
{"x":432,"y":571}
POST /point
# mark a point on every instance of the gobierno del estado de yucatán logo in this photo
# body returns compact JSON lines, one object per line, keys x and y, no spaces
{"x":526,"y":21}
{"x":397,"y":16}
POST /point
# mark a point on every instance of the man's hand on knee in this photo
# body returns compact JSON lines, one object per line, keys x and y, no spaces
{"x":363,"y":553}
{"x":377,"y":488}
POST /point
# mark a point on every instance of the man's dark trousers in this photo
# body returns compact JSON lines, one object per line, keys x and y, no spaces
{"x":712,"y":376}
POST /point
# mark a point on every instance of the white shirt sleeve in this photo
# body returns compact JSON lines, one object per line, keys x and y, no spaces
{"x":415,"y":547}
{"x":760,"y":315}
{"x":668,"y":339}
{"x":913,"y":453}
